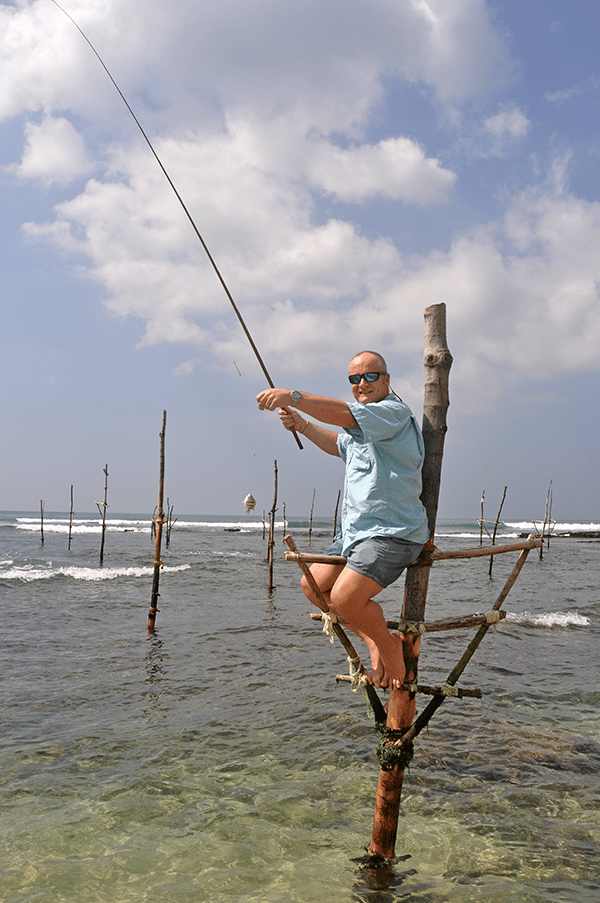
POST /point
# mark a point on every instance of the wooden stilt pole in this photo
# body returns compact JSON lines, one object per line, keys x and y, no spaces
{"x":335,"y":515}
{"x":310,"y":521}
{"x":71,"y":518}
{"x":401,"y":706}
{"x":158,"y":520}
{"x":102,"y":509}
{"x":496,"y":523}
{"x":42,"y":520}
{"x":271,"y":546}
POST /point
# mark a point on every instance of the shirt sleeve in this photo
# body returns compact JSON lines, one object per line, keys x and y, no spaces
{"x":377,"y":420}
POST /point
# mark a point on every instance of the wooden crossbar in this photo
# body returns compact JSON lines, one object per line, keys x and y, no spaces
{"x":426,"y":557}
{"x":457,"y":623}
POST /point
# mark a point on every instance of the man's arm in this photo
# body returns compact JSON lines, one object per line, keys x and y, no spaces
{"x":323,"y":439}
{"x":327,"y":410}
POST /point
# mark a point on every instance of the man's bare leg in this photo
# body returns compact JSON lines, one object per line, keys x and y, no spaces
{"x":325,"y":576}
{"x":351,"y":600}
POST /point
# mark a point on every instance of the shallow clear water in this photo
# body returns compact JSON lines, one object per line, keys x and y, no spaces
{"x":218,"y":759}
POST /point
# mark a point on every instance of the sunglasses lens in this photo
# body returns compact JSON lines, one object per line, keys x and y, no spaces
{"x":370,"y":377}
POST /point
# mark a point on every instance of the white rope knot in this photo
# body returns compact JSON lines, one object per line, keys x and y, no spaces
{"x":412,"y":627}
{"x":492,"y":617}
{"x":357,"y":674}
{"x":329,"y":619}
{"x":449,"y":690}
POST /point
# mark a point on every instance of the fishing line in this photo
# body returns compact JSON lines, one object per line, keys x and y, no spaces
{"x":180,"y":199}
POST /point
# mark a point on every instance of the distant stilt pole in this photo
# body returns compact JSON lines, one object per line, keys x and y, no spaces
{"x":102,"y":509}
{"x":310,"y":522}
{"x":481,"y":519}
{"x":335,"y":514}
{"x":401,"y":705}
{"x":547,"y":520}
{"x":497,"y":521}
{"x":272,"y":531}
{"x":158,"y":520}
{"x":170,"y":521}
{"x":42,"y":520}
{"x":71,"y":518}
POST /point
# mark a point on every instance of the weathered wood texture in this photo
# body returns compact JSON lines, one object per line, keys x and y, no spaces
{"x":401,"y":706}
{"x":159,"y":521}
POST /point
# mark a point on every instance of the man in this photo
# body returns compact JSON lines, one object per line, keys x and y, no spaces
{"x":384,"y":523}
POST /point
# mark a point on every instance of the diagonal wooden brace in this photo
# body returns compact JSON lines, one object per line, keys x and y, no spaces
{"x":368,"y":689}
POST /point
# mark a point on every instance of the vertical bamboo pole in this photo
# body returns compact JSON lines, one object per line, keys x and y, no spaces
{"x":335,"y":513}
{"x":271,"y":546}
{"x":170,"y":521}
{"x":71,"y":518}
{"x":310,"y":520}
{"x":102,"y":508}
{"x":496,"y":522}
{"x":481,"y":519}
{"x":159,"y":519}
{"x":401,"y":706}
{"x":42,"y":520}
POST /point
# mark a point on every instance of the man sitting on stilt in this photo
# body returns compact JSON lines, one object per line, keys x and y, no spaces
{"x":384,"y":523}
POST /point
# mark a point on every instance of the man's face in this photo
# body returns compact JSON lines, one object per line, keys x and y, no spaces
{"x":369,"y":392}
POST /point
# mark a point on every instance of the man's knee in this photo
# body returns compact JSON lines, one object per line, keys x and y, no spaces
{"x":339,"y":598}
{"x":306,"y":588}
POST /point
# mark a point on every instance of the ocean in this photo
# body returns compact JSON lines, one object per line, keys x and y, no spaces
{"x":217,"y":759}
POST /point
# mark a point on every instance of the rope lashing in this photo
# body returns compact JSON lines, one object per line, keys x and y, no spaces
{"x":416,"y":628}
{"x":449,"y":690}
{"x":329,"y":619}
{"x":357,"y":674}
{"x":391,"y":754}
{"x":493,"y":617}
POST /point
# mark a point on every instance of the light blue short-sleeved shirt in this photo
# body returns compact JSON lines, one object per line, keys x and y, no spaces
{"x":384,"y":458}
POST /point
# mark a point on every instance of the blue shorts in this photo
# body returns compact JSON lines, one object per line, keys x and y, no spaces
{"x":382,"y":558}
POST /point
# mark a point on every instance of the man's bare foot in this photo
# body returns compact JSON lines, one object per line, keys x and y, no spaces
{"x":395,"y":670}
{"x":375,"y":675}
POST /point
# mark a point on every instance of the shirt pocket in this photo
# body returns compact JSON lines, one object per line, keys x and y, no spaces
{"x":362,"y":460}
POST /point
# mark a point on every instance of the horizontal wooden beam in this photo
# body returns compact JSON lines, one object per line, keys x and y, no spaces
{"x":426,"y":558}
{"x":458,"y":623}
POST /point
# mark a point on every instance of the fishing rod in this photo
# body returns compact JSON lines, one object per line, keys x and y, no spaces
{"x":185,"y":209}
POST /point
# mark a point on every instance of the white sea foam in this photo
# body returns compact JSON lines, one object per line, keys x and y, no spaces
{"x":31,"y":574}
{"x":557,"y":527}
{"x":550,"y":619}
{"x":60,"y":525}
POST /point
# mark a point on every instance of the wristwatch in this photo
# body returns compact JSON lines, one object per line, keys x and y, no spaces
{"x":296,"y":396}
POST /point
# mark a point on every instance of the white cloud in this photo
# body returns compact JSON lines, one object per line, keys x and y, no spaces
{"x":395,"y":168}
{"x":508,"y":123}
{"x":522,"y":293}
{"x":266,"y":111}
{"x":326,"y":57}
{"x":54,"y":152}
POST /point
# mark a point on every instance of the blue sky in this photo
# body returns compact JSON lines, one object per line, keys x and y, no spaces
{"x":348,"y":164}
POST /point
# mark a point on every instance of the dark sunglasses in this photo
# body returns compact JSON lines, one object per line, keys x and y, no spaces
{"x":371,"y":377}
